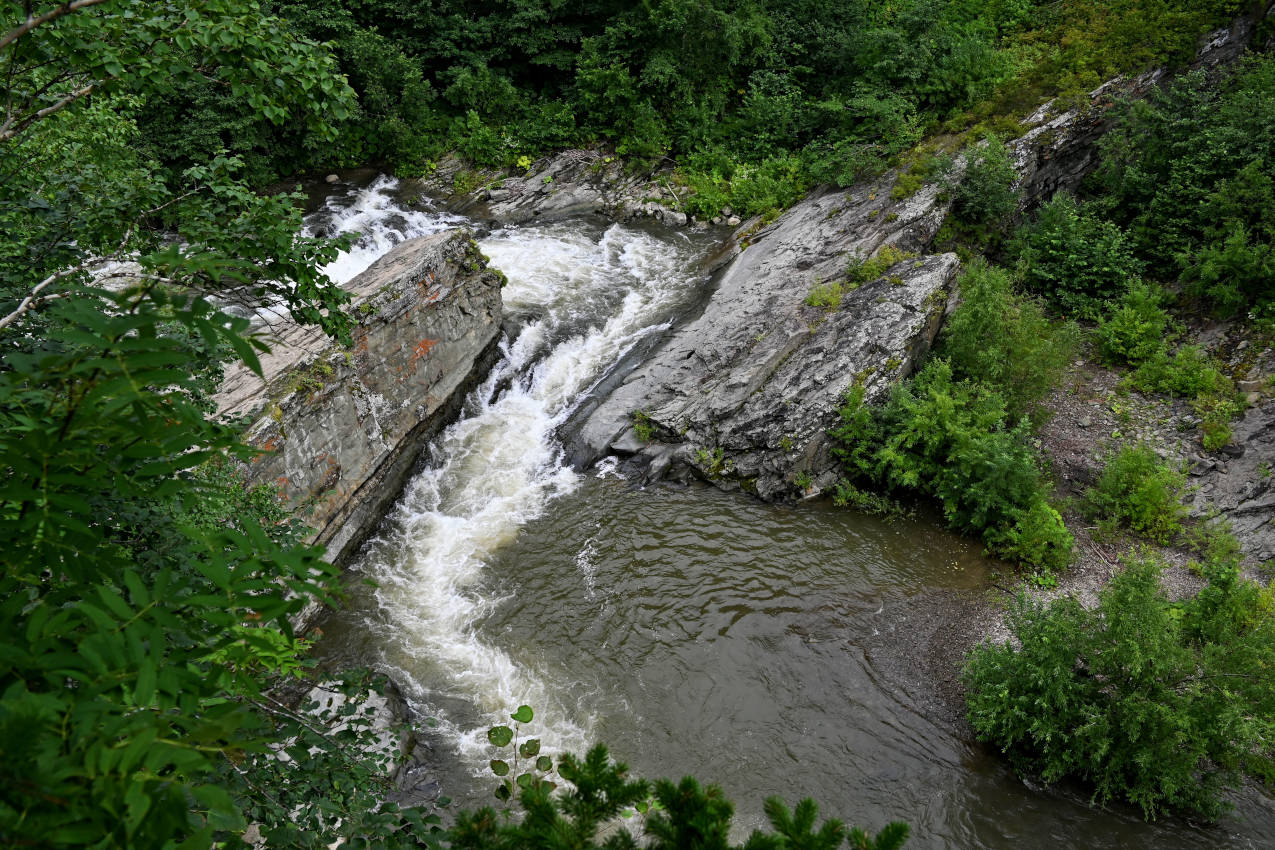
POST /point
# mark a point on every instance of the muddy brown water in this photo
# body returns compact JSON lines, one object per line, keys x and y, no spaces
{"x":694,"y":631}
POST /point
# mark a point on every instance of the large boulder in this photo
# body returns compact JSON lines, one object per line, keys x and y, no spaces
{"x":745,"y":393}
{"x":341,"y":429}
{"x":563,"y":185}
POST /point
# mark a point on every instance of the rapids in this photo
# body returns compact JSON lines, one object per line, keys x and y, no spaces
{"x":692,"y":630}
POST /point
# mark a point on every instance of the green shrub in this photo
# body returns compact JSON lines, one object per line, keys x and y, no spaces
{"x":953,"y":441}
{"x":1139,"y":490}
{"x":844,"y":162}
{"x":717,"y":181}
{"x":1075,"y":259}
{"x":1003,"y":339}
{"x":1137,"y":329}
{"x":846,"y":495}
{"x":860,"y":271}
{"x":1190,"y":171}
{"x":709,"y":194}
{"x":774,"y":185}
{"x":826,"y":296}
{"x":1158,"y":703}
{"x":1035,"y":535}
{"x":644,"y":426}
{"x":1188,"y":373}
{"x":983,"y":196}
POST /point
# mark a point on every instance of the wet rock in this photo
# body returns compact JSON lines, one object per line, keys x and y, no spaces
{"x":567,"y":184}
{"x":340,"y":430}
{"x":332,"y":178}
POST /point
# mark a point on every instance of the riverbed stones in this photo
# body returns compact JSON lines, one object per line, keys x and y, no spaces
{"x":340,"y":429}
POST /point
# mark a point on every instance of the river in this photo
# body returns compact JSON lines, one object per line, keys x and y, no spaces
{"x":694,"y":631}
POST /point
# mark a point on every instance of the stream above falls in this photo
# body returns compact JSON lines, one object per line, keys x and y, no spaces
{"x":694,"y":631}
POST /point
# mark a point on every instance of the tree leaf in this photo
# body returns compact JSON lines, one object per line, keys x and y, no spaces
{"x":523,"y":714}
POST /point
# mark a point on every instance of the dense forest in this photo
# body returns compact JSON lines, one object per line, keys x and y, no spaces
{"x":149,"y":670}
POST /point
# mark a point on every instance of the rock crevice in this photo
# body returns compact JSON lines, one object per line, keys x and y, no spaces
{"x":341,"y":429}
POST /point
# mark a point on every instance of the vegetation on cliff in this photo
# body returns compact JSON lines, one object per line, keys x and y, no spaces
{"x":147,"y":657}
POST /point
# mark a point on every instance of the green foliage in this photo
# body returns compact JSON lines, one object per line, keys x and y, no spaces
{"x":846,"y":495}
{"x":644,"y":426}
{"x":1189,"y":373}
{"x":717,"y":181}
{"x":860,"y":271}
{"x":713,"y":463}
{"x":146,"y":595}
{"x":1159,"y":703}
{"x":1189,"y":172}
{"x":919,"y":166}
{"x":525,"y":753}
{"x":136,"y":566}
{"x":1075,"y":259}
{"x":1137,"y":328}
{"x":1141,"y":491}
{"x":1004,"y":340}
{"x":802,"y":90}
{"x":826,"y":296}
{"x":953,"y":440}
{"x":1139,"y":332}
{"x":674,"y":816}
{"x":983,"y":195}
{"x":1069,"y":49}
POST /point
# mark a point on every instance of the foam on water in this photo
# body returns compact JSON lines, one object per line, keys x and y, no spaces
{"x":381,"y":220}
{"x":588,"y":296}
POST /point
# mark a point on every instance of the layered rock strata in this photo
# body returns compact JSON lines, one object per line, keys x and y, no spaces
{"x":745,"y":393}
{"x":341,"y":429}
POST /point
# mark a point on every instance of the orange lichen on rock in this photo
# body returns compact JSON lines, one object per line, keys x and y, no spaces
{"x":422,"y":348}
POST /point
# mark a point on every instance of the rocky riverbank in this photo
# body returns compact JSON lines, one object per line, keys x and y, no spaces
{"x":341,"y":430}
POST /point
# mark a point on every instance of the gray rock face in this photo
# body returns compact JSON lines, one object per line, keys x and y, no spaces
{"x":1241,"y":483}
{"x":747,"y":391}
{"x":566,"y":184}
{"x":341,"y":429}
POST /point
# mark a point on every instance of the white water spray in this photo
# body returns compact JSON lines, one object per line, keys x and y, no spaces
{"x":588,"y":298}
{"x":382,"y":221}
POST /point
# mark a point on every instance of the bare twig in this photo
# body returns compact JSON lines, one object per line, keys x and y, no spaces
{"x":34,"y":21}
{"x":48,"y":110}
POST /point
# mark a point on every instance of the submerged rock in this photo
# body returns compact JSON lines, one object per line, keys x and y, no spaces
{"x":342,"y":429}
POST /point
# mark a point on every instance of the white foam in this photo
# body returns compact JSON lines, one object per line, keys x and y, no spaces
{"x":381,"y":222}
{"x":500,"y":466}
